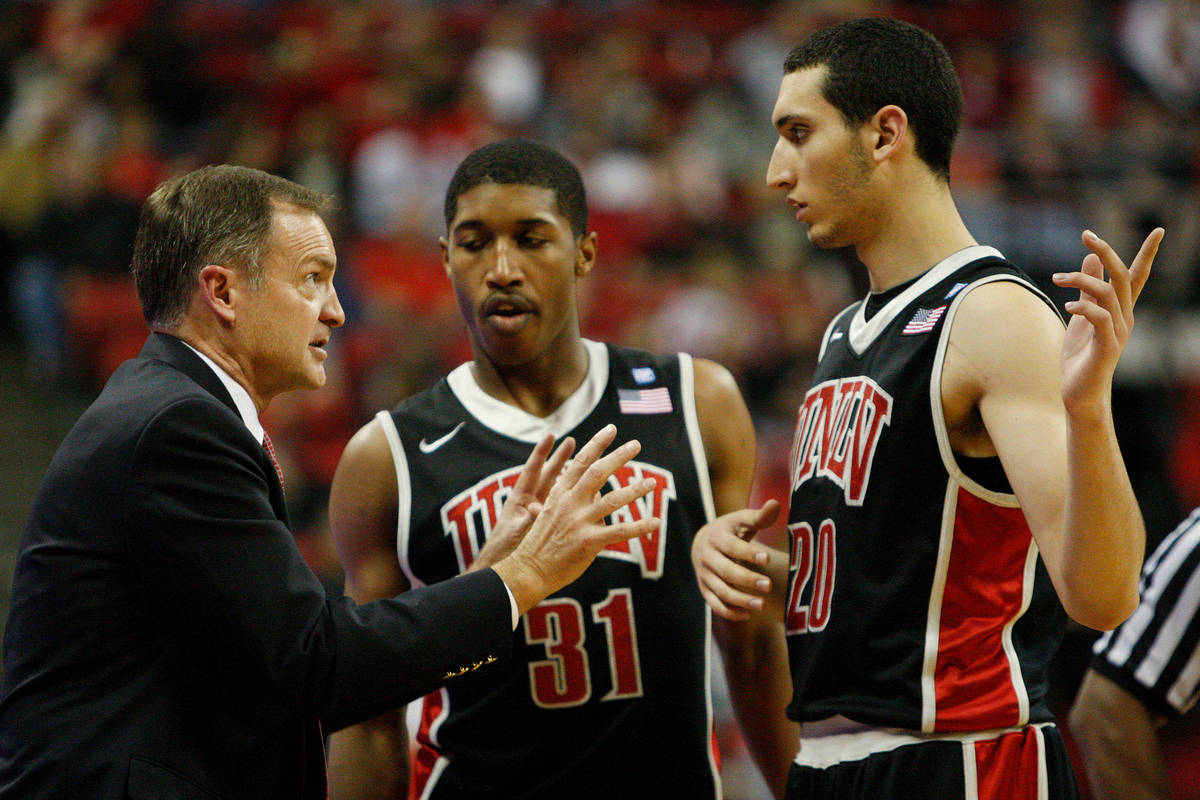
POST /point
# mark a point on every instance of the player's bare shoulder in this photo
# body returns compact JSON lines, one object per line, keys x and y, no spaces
{"x":1004,"y":340}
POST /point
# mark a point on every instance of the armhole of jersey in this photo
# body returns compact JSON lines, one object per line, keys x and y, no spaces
{"x":403,"y":494}
{"x":691,"y":420}
{"x":956,"y":473}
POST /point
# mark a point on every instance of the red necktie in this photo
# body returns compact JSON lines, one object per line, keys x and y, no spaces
{"x":270,"y":448}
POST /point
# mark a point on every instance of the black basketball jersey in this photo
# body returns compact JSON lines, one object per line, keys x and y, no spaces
{"x":609,"y":693}
{"x":916,"y":596}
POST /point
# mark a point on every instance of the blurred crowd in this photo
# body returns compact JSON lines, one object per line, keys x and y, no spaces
{"x":1078,"y":114}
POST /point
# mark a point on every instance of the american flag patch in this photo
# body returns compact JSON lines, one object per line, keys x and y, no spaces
{"x":923,"y":321}
{"x":645,"y":401}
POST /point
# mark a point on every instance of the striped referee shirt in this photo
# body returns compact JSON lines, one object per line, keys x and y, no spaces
{"x":1155,"y":654}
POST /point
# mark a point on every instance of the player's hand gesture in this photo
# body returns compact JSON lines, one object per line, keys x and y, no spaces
{"x":1101,"y":318}
{"x":523,"y":504}
{"x":569,"y":529}
{"x":729,"y":566}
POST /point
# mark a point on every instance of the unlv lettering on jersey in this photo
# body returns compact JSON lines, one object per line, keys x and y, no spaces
{"x":837,"y":431}
{"x":469,"y":516}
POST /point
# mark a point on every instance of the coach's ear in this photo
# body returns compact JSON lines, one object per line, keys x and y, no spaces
{"x":217,"y":291}
{"x":585,"y":254}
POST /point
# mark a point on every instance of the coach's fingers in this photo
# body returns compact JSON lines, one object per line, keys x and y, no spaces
{"x":594,"y":476}
{"x":531,"y":477}
{"x":574,"y":468}
{"x":554,"y":467}
{"x":605,"y":504}
{"x":622,"y":531}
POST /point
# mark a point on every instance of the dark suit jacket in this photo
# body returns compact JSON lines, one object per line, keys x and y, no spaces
{"x":166,"y":640}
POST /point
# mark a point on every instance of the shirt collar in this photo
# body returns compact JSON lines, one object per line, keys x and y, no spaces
{"x":241,"y":398}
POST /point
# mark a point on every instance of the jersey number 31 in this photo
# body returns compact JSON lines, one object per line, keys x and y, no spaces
{"x":564,"y":678}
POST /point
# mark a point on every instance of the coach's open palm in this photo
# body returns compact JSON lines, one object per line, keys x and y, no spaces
{"x":525,"y":502}
{"x":569,"y":529}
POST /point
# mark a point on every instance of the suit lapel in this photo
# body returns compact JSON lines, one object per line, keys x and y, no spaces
{"x":170,"y":350}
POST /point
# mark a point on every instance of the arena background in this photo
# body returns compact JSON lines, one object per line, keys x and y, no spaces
{"x":1078,"y":114}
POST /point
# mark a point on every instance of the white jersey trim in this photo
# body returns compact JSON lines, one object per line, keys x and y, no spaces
{"x":435,"y":773}
{"x":403,"y":495}
{"x":933,"y":620}
{"x":847,"y":741}
{"x":691,"y":420}
{"x":959,"y":479}
{"x":1010,"y":651}
{"x":516,"y":423}
{"x":864,"y":332}
{"x":1003,"y":499}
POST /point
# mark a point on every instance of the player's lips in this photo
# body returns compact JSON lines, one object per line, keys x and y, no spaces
{"x":318,"y":346}
{"x":507,"y":312}
{"x":801,"y":208}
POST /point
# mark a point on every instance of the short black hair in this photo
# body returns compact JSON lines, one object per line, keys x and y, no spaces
{"x":213,"y":215}
{"x":877,"y":61}
{"x":521,"y":161}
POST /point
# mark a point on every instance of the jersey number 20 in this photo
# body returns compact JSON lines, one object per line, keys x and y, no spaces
{"x":813,"y":559}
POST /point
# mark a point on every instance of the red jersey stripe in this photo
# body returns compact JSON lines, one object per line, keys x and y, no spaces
{"x":977,"y":684}
{"x":1011,"y":767}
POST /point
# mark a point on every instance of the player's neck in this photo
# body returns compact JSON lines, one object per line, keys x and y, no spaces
{"x":539,"y":386}
{"x":917,"y":230}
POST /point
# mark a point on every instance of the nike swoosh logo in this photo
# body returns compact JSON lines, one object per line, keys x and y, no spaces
{"x":429,"y":447}
{"x":836,"y":335}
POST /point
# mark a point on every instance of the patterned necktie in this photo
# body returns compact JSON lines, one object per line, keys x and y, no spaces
{"x":270,"y":448}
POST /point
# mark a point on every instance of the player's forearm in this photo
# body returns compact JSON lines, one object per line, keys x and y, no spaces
{"x":756,"y":671}
{"x":1104,"y":538}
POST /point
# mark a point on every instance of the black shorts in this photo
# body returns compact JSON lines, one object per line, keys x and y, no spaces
{"x":1027,"y":764}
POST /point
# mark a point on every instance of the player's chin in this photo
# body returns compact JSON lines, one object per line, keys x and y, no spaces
{"x":824,"y":238}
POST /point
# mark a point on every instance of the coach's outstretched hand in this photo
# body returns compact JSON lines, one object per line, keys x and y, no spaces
{"x":569,"y":529}
{"x":525,"y":502}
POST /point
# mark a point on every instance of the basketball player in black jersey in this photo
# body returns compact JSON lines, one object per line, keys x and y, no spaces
{"x":956,"y":480}
{"x":609,"y":695}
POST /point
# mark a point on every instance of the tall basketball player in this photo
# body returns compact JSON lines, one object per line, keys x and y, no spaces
{"x":956,"y":481}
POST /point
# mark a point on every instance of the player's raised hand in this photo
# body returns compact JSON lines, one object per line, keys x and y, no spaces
{"x":1101,"y":318}
{"x":525,"y":502}
{"x":730,"y":567}
{"x":569,"y":529}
